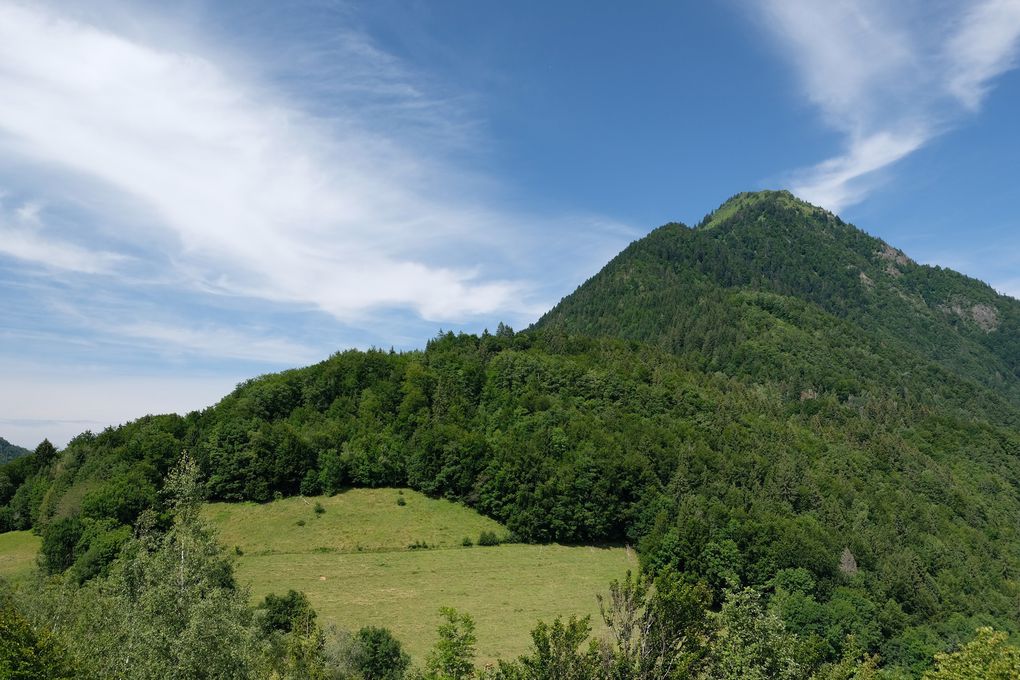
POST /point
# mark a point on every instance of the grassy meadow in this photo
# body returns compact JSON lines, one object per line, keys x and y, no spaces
{"x":18,"y":550}
{"x":356,"y":564}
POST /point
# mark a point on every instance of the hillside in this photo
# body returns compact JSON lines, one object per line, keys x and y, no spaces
{"x":367,"y":561}
{"x":773,"y":399}
{"x":9,"y":451}
{"x":774,"y":288}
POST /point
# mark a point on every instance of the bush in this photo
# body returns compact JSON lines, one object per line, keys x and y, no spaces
{"x":300,"y":522}
{"x":488,"y":538}
{"x":60,"y":544}
{"x":97,"y":549}
{"x":282,"y":613}
{"x":467,"y":542}
{"x":310,"y":485}
{"x":27,"y":652}
{"x":379,"y":655}
{"x":400,"y":501}
{"x":319,"y":510}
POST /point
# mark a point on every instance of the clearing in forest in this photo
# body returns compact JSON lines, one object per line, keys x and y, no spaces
{"x":361,"y":562}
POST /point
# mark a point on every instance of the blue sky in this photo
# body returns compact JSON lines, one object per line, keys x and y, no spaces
{"x":195,"y":193}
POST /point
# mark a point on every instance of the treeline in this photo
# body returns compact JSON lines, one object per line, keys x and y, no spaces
{"x":169,"y":607}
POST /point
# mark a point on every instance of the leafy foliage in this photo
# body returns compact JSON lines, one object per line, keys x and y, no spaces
{"x":987,"y":657}
{"x":379,"y":655}
{"x":452,"y":658}
{"x":26,"y":652}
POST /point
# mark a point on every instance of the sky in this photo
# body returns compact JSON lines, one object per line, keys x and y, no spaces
{"x":195,"y":193}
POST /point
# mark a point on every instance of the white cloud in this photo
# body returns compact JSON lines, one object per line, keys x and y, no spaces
{"x":984,"y":47}
{"x":227,"y":343}
{"x":889,"y":77}
{"x":245,"y":193}
{"x":22,"y":237}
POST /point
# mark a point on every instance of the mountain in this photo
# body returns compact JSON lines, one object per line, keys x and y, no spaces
{"x":774,"y":288}
{"x":772,"y":399}
{"x":9,"y":451}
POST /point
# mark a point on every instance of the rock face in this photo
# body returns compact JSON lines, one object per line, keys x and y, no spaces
{"x":984,"y":316}
{"x":893,"y":257}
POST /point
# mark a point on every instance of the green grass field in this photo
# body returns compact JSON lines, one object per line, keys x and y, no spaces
{"x":354,"y":563}
{"x":18,"y":550}
{"x":359,"y":520}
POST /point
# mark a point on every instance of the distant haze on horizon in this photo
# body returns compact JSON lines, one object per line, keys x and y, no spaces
{"x":196,"y":194}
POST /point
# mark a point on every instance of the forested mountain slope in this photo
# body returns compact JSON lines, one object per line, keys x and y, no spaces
{"x":9,"y":451}
{"x":774,"y":288}
{"x":773,"y":399}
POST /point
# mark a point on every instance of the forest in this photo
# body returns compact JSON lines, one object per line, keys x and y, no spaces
{"x":9,"y":451}
{"x":810,"y":439}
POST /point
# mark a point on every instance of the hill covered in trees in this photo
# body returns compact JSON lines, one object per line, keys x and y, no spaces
{"x":9,"y":451}
{"x":772,"y":399}
{"x":773,"y":288}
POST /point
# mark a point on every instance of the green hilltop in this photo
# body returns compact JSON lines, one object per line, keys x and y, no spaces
{"x":9,"y":451}
{"x":771,"y":287}
{"x":771,"y":399}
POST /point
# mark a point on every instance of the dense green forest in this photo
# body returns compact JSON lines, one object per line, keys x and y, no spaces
{"x":788,"y":418}
{"x":9,"y":451}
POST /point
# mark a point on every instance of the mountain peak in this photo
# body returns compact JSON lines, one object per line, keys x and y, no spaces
{"x":758,"y":200}
{"x":769,"y":264}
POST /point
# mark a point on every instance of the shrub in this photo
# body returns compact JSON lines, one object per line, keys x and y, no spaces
{"x":282,"y":613}
{"x":300,"y":522}
{"x":488,"y":538}
{"x":319,"y":509}
{"x":60,"y":544}
{"x":467,"y":542}
{"x":400,"y":501}
{"x":99,"y":545}
{"x":379,"y":655}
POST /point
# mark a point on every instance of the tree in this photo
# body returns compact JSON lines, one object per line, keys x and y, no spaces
{"x":659,"y":628}
{"x":60,"y":543}
{"x":452,"y":657}
{"x":45,"y":453}
{"x":559,"y":652}
{"x":170,"y":607}
{"x":284,"y":613}
{"x":378,"y":655}
{"x":752,"y":643}
{"x":27,"y":653}
{"x":986,"y":657}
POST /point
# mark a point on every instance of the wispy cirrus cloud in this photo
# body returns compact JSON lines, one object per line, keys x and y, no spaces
{"x":889,"y":77}
{"x":194,"y":193}
{"x":23,"y":236}
{"x":234,"y":188}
